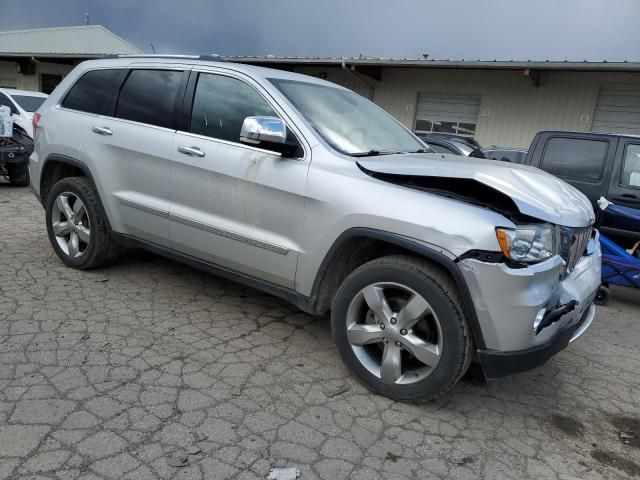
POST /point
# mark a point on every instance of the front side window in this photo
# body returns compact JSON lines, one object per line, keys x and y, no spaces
{"x":348,"y":122}
{"x":575,"y":158}
{"x":95,"y":92}
{"x":221,"y":104}
{"x":631,"y":166}
{"x":149,"y":96}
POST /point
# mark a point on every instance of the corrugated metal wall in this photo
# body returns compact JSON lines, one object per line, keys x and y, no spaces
{"x":512,"y":109}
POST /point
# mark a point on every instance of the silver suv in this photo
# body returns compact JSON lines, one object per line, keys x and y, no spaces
{"x":308,"y":191}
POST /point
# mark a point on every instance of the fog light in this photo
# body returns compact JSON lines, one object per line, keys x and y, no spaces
{"x":538,"y":318}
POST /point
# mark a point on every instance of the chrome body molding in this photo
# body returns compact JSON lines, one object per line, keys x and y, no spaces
{"x":203,"y":226}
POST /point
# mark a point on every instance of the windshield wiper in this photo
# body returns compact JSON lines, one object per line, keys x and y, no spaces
{"x":372,"y":153}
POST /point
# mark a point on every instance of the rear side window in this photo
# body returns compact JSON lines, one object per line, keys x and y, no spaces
{"x":631,"y":167}
{"x":221,"y":104}
{"x":149,"y":96}
{"x":95,"y":92}
{"x":575,"y":158}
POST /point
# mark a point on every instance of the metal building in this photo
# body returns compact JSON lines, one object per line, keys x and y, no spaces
{"x":38,"y":59}
{"x":501,"y":103}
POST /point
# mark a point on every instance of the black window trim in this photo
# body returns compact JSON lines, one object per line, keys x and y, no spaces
{"x":568,"y":177}
{"x":622,"y":164}
{"x":63,"y":97}
{"x":185,"y":69}
{"x":178,"y":101}
{"x":187,"y":108}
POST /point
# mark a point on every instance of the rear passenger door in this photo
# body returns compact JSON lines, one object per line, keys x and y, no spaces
{"x":130,"y":147}
{"x":234,"y":205}
{"x":584,"y":162}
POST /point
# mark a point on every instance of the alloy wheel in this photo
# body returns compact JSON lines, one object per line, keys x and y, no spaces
{"x":70,"y":224}
{"x":394,"y":332}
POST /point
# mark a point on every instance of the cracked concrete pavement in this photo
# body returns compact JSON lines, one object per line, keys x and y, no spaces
{"x":127,"y":371}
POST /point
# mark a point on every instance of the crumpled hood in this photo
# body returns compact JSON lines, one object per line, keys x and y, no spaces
{"x":535,"y":192}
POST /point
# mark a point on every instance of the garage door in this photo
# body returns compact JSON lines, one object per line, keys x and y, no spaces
{"x":7,"y":83}
{"x":447,"y":113}
{"x":618,"y":109}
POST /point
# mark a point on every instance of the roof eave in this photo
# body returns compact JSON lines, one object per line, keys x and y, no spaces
{"x":52,"y":55}
{"x":447,"y":64}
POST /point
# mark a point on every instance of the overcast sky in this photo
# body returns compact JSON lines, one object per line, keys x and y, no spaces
{"x":470,"y":29}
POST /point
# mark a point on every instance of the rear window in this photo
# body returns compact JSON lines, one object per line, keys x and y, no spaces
{"x":29,"y":103}
{"x":149,"y":96}
{"x":575,"y":158}
{"x":95,"y":92}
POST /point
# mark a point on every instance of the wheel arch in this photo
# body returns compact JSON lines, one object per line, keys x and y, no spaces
{"x":357,"y":246}
{"x":56,"y":167}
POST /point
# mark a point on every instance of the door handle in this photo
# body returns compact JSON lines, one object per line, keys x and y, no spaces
{"x":102,"y":130}
{"x":192,"y":151}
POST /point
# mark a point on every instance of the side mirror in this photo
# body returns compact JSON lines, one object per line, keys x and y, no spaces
{"x":269,"y":133}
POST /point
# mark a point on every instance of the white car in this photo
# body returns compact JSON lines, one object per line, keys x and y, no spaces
{"x":23,"y":104}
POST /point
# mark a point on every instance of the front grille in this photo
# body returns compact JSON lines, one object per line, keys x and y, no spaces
{"x":573,"y":243}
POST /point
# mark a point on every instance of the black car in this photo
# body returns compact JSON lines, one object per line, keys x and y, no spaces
{"x":454,"y":144}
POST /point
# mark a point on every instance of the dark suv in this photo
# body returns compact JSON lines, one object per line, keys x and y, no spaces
{"x":598,"y":164}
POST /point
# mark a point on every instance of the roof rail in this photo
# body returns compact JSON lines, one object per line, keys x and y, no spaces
{"x":208,"y":56}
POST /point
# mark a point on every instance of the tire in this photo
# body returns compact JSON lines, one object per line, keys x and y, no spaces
{"x":403,"y":280}
{"x":100,"y":249}
{"x":603,"y":296}
{"x":18,"y":174}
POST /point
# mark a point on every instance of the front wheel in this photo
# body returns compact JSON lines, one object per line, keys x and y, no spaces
{"x":398,"y":325}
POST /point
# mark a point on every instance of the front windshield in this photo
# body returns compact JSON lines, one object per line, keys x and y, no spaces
{"x":29,"y":103}
{"x":347,"y":121}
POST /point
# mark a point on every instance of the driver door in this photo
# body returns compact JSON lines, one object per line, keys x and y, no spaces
{"x":234,"y":205}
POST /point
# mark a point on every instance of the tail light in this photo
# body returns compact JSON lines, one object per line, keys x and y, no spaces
{"x":34,"y":123}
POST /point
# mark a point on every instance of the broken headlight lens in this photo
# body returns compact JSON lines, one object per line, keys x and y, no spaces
{"x":528,"y":244}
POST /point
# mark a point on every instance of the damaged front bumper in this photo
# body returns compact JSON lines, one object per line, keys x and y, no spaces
{"x":529,"y":314}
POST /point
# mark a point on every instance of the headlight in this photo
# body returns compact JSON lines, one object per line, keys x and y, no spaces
{"x":528,"y":244}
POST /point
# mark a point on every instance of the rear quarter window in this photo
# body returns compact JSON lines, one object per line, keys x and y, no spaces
{"x":575,"y":158}
{"x":95,"y":92}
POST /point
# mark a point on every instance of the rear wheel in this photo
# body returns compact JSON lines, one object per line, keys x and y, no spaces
{"x":76,"y":227}
{"x":398,"y":324}
{"x":18,"y":174}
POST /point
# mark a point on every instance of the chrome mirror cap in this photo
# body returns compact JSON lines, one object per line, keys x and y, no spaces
{"x":256,"y":130}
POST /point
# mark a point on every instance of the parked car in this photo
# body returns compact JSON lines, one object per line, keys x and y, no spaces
{"x":309,"y":191}
{"x":506,"y":154}
{"x":452,"y":144}
{"x":14,"y":161}
{"x":599,"y":165}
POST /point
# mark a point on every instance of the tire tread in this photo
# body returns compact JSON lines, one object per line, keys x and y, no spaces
{"x":105,"y":250}
{"x":18,"y":174}
{"x":441,"y":278}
